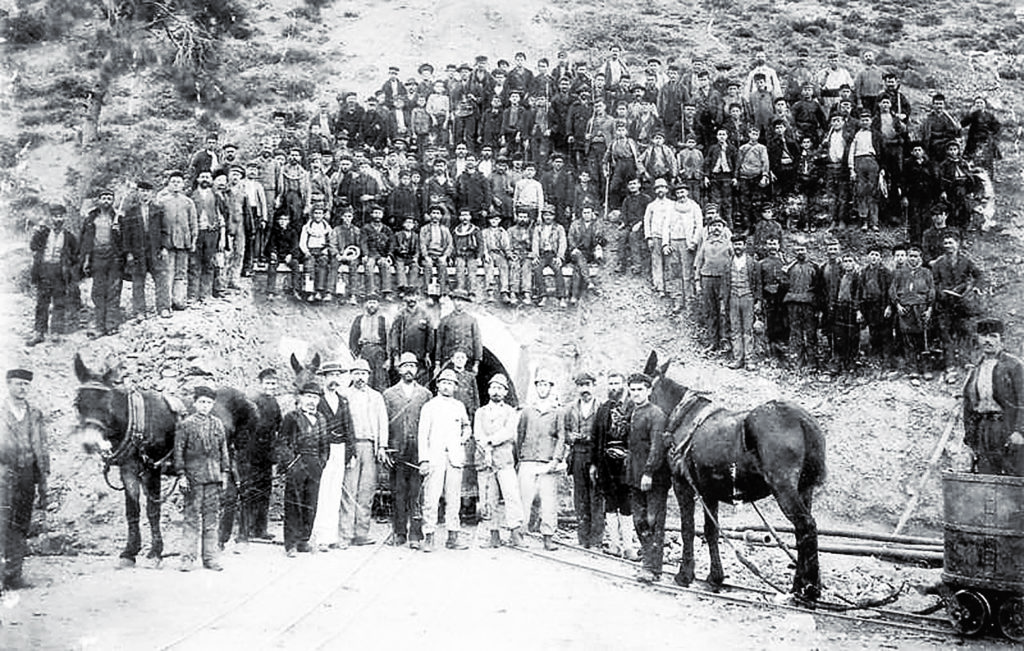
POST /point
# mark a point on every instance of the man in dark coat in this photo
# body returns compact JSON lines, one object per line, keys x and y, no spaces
{"x":103,"y":258}
{"x":611,"y":444}
{"x":648,"y":475}
{"x":24,"y":467}
{"x":142,"y":225}
{"x":368,"y":339}
{"x":993,"y":400}
{"x":580,"y":416}
{"x":54,"y":260}
{"x":956,"y":278}
{"x":412,"y":332}
{"x":404,"y":401}
{"x":256,"y":490}
{"x":459,"y":330}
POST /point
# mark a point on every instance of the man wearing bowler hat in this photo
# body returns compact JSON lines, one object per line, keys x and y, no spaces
{"x":24,"y":467}
{"x":993,"y":405}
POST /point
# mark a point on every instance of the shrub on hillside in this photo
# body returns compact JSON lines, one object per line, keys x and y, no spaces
{"x":26,"y":28}
{"x":811,"y":27}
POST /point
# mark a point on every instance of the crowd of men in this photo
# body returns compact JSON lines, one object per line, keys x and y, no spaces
{"x":342,"y":432}
{"x":501,"y":175}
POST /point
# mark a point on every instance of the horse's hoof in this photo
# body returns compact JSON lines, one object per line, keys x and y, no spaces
{"x":683,"y":580}
{"x":125,"y":563}
{"x":716,"y":580}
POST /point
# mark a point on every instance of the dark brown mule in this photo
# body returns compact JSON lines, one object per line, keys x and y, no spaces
{"x":103,"y":406}
{"x":775,"y":449}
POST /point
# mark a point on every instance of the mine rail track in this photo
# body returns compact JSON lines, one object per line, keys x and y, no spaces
{"x":930,"y":625}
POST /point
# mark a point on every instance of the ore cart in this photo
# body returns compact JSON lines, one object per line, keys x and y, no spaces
{"x":983,"y":572}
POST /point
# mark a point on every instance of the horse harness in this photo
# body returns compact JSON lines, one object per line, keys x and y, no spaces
{"x":135,"y":429}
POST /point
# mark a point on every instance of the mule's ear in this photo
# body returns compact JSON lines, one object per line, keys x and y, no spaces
{"x":80,"y":370}
{"x":314,"y":364}
{"x":652,"y":363}
{"x":296,"y":366}
{"x":664,"y":367}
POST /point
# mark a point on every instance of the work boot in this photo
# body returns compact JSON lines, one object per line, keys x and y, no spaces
{"x":495,"y":538}
{"x":428,"y":543}
{"x":454,"y":542}
{"x":516,"y":538}
{"x":549,"y":544}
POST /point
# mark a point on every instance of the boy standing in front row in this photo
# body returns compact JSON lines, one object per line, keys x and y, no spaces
{"x":201,"y":459}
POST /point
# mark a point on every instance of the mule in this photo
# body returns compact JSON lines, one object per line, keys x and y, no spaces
{"x":305,"y":373}
{"x":776,"y":448}
{"x":144,"y":454}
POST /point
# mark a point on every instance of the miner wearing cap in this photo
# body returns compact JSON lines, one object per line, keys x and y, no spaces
{"x":142,"y":225}
{"x":404,"y":402}
{"x":648,"y":476}
{"x":54,"y":260}
{"x":863,"y":156}
{"x":24,"y":467}
{"x":993,"y":404}
{"x":540,"y":444}
{"x":202,"y":463}
{"x":103,"y":259}
{"x":301,"y":450}
{"x":459,"y":330}
{"x":368,"y":339}
{"x":580,"y":417}
{"x":549,"y":247}
{"x":257,"y":486}
{"x":444,"y":428}
{"x":495,"y":428}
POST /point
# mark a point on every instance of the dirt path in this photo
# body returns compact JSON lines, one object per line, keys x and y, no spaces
{"x":390,"y":598}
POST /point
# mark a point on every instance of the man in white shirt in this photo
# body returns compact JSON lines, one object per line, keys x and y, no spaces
{"x":443,"y":430}
{"x":680,"y":237}
{"x":370,"y":432}
{"x":655,"y":216}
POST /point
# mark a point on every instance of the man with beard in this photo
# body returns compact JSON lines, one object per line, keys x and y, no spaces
{"x":611,"y":443}
{"x":541,"y":447}
{"x":337,"y":416}
{"x":495,"y":427}
{"x":658,"y":212}
{"x":203,"y":276}
{"x":103,"y":258}
{"x":648,"y":476}
{"x":444,"y":428}
{"x":412,"y":332}
{"x":992,"y":406}
{"x":349,"y":118}
{"x":368,"y":339}
{"x":520,"y":259}
{"x":774,"y":285}
{"x":404,"y":402}
{"x":580,"y":417}
{"x":293,"y":186}
{"x":370,"y":436}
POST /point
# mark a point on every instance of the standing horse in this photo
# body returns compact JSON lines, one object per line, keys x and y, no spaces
{"x":134,"y":430}
{"x":776,"y":448}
